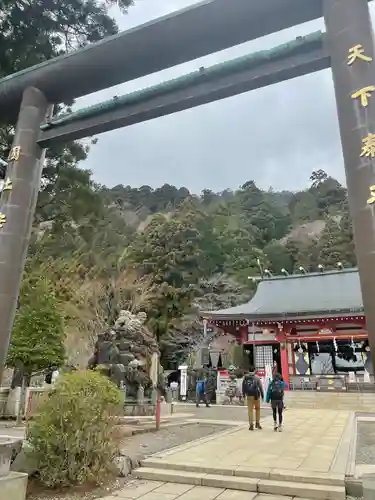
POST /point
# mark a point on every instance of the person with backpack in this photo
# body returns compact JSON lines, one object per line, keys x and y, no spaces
{"x":201,"y":393}
{"x":275,"y":396}
{"x":252,"y":390}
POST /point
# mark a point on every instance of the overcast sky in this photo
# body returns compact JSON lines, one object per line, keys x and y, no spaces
{"x":276,"y":135}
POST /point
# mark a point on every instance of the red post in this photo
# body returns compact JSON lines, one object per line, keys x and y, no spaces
{"x":158,"y":410}
{"x":284,"y":362}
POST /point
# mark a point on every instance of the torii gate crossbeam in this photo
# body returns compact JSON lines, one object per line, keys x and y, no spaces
{"x":200,"y":29}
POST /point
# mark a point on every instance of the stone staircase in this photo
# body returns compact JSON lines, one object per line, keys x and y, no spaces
{"x":349,"y":401}
{"x":297,"y":484}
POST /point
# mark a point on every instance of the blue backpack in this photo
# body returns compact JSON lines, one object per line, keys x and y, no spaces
{"x":200,"y":387}
{"x":277,"y":390}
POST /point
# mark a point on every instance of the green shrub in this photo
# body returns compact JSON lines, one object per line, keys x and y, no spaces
{"x":71,"y":438}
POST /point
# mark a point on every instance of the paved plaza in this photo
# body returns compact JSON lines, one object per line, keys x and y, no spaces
{"x":312,"y":440}
{"x":308,"y":459}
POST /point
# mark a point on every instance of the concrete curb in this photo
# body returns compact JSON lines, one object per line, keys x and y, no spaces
{"x":350,"y":469}
{"x":369,"y":487}
{"x":353,"y":485}
{"x":354,"y":482}
{"x":343,"y":454}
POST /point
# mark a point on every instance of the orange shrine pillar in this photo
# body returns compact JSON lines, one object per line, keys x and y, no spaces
{"x":284,"y":356}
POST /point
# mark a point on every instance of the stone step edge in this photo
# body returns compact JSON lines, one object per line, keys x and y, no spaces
{"x":282,"y":488}
{"x":254,"y":472}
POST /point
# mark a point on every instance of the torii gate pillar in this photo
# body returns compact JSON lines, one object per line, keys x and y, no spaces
{"x":17,"y":207}
{"x":351,"y":46}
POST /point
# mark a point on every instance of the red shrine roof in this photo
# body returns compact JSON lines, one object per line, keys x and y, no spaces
{"x":309,"y":295}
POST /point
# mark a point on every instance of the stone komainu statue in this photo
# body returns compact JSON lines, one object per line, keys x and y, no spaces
{"x":124,"y":353}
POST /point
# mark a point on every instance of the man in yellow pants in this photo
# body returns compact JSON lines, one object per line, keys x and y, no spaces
{"x":252,"y":390}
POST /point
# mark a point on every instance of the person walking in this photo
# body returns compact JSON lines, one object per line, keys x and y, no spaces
{"x":275,"y":371}
{"x":252,"y":390}
{"x":200,"y":392}
{"x":275,"y":396}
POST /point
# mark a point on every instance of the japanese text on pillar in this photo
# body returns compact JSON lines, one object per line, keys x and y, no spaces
{"x":14,"y":155}
{"x":357,"y":54}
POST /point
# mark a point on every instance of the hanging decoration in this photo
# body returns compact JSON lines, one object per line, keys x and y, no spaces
{"x":352,"y":345}
{"x":317,"y":347}
{"x":335,"y":344}
{"x":300,"y":349}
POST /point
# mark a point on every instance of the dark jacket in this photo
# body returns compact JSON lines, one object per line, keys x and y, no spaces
{"x":257,"y":382}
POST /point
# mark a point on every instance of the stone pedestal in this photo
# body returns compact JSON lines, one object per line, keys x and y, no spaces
{"x":166,"y":409}
{"x":368,"y":487}
{"x":13,"y":486}
{"x":220,"y":397}
{"x":7,"y":445}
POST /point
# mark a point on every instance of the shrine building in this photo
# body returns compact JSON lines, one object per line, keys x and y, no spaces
{"x":311,"y":324}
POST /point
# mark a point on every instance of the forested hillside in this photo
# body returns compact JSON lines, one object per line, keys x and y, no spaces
{"x":164,"y":251}
{"x":168,"y":252}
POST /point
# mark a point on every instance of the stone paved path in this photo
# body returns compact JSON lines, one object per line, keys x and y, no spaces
{"x":155,"y":490}
{"x":310,"y":442}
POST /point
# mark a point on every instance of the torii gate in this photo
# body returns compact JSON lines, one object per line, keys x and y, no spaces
{"x":348,"y":46}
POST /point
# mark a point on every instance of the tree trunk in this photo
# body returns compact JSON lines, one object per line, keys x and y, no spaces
{"x":17,"y":378}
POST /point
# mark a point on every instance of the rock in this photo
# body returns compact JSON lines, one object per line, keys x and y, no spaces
{"x":23,"y":461}
{"x":126,"y":358}
{"x":136,"y":461}
{"x":135,"y":458}
{"x":123,"y":466}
